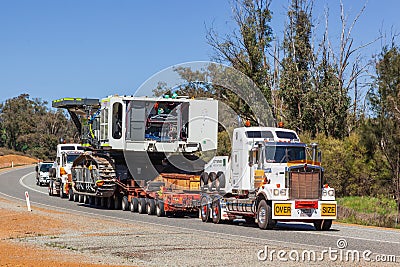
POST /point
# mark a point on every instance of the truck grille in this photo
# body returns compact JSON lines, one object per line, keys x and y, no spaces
{"x":305,"y":184}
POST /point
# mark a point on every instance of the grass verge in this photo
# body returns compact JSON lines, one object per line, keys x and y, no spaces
{"x":371,"y":211}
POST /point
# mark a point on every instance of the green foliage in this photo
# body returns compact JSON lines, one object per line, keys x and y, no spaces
{"x":311,"y":92}
{"x":28,"y":126}
{"x":247,"y":49}
{"x":385,"y":103}
{"x":350,"y":169}
{"x":381,"y":205}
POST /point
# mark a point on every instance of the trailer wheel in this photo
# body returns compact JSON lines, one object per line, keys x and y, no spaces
{"x":91,"y":200}
{"x":151,"y":206}
{"x":76,"y":197}
{"x":97,"y":201}
{"x":81,"y":198}
{"x":124,"y":203}
{"x":117,"y":202}
{"x":86,"y":199}
{"x":264,"y":215}
{"x":160,"y":208}
{"x":216,"y":211}
{"x":70,"y":194}
{"x":134,"y":204}
{"x":322,"y":225}
{"x":142,"y":205}
{"x":110,"y":204}
{"x":103,"y":202}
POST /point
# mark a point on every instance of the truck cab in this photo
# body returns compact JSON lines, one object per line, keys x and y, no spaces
{"x":271,"y":176}
{"x":61,"y":169}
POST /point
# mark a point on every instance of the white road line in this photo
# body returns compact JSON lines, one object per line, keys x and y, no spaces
{"x":190,"y":229}
{"x":21,"y":182}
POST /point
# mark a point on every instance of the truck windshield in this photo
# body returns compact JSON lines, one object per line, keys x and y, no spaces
{"x":45,"y":167}
{"x":283,"y":154}
{"x":71,"y":158}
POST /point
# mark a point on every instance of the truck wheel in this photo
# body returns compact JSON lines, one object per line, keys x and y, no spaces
{"x":76,"y":197}
{"x":160,"y":208}
{"x":50,"y":190}
{"x":86,"y":199}
{"x":81,"y":198}
{"x":117,"y":202}
{"x":220,"y":180}
{"x":322,"y":225}
{"x":142,"y":205}
{"x":110,"y":204}
{"x":204,"y":209}
{"x":211,"y":180}
{"x":70,"y":194}
{"x":134,"y":204}
{"x":124,"y":203}
{"x":62,"y":194}
{"x":264,"y":215}
{"x":151,"y":206}
{"x":216,"y":211}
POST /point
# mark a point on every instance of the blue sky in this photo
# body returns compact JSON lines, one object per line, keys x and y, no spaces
{"x":94,"y":48}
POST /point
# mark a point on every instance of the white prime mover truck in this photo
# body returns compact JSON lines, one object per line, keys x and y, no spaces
{"x":267,"y":178}
{"x":60,"y":173}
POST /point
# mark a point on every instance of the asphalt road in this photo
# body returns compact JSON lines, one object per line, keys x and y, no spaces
{"x":290,"y":235}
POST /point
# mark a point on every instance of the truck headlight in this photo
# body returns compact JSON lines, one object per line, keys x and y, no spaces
{"x":324,"y":193}
{"x":283,"y":192}
{"x":331,"y":192}
{"x":276,"y":192}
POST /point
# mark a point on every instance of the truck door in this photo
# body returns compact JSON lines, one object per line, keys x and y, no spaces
{"x":235,"y":169}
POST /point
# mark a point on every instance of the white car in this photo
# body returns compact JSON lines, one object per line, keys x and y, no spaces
{"x":42,"y":173}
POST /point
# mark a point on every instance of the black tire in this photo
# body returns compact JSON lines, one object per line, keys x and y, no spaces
{"x":204,"y":209}
{"x":86,"y":199}
{"x":264,"y":215}
{"x":203,"y":180}
{"x":322,"y":225}
{"x":81,"y":198}
{"x":50,"y":189}
{"x":70,"y":194}
{"x":220,"y":180}
{"x":211,"y":180}
{"x":151,"y":206}
{"x":117,"y":202}
{"x":142,"y":206}
{"x":216,"y":211}
{"x":134,"y":204}
{"x":110,"y":203}
{"x":124,"y":203}
{"x":160,"y":208}
{"x":62,"y":194}
{"x":91,"y":200}
{"x":103,"y":202}
{"x":76,"y":197}
{"x":97,"y":201}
